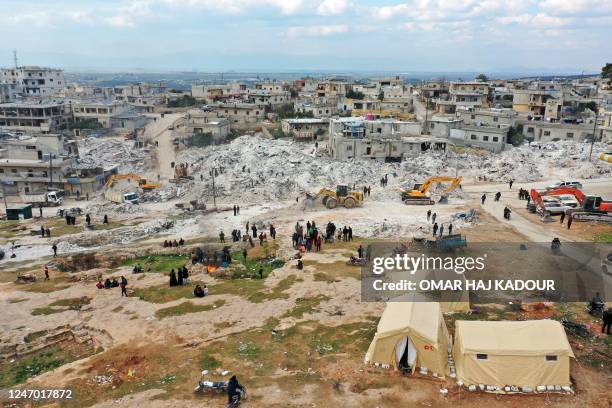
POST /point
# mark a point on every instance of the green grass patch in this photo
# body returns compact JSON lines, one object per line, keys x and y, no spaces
{"x":252,"y":266}
{"x":305,"y":305}
{"x":42,"y":361}
{"x":158,"y":263}
{"x":187,"y":307}
{"x":208,"y":362}
{"x":605,"y":237}
{"x":62,"y":305}
{"x":44,"y":286}
{"x":254,"y":289}
{"x":35,"y":335}
{"x":165,"y":293}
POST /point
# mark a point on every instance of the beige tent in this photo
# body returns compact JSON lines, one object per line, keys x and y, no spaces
{"x":509,"y":353}
{"x":412,"y":333}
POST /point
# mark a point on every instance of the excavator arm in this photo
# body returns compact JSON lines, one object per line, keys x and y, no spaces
{"x":455,"y":182}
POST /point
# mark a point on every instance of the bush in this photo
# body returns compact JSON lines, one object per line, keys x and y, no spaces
{"x":185,"y":101}
{"x":202,"y":139}
{"x":86,"y":124}
{"x":355,"y":95}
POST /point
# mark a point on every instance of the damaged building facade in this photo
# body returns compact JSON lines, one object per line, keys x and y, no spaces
{"x":387,"y":140}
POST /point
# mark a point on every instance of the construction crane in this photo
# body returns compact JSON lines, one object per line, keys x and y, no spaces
{"x":342,"y":196}
{"x":142,"y":182}
{"x":418,"y":196}
{"x":591,"y":208}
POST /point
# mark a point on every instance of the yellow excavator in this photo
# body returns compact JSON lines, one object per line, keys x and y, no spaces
{"x":142,"y":182}
{"x":418,"y":196}
{"x":342,"y":196}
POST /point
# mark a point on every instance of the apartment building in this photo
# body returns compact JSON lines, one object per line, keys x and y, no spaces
{"x":464,"y":95}
{"x":317,"y":107}
{"x":100,"y":110}
{"x":534,"y":101}
{"x":238,"y":112}
{"x":540,"y":131}
{"x":386,"y":140}
{"x":200,"y":121}
{"x":213,"y":92}
{"x":485,"y":137}
{"x":37,"y":117}
{"x":266,"y":97}
{"x":29,"y":165}
{"x":305,"y":128}
{"x":28,"y":81}
{"x":488,"y":117}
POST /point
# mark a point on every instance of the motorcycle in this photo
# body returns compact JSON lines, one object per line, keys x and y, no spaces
{"x":216,"y":386}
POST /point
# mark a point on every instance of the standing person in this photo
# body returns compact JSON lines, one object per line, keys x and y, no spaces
{"x":254,"y":229}
{"x":607,"y":321}
{"x":433,"y":218}
{"x":238,"y":210}
{"x":350,"y":233}
{"x":222,"y":237}
{"x":562,"y":217}
{"x":88,"y":219}
{"x":40,"y":210}
{"x":450,"y":229}
{"x":441,"y":230}
{"x":261,"y":272}
{"x":46,"y":272}
{"x":569,"y":221}
{"x":319,"y":243}
{"x":360,"y":251}
{"x":42,"y":231}
{"x":173,"y":281}
{"x":428,"y":215}
{"x":483,"y":199}
{"x":510,"y":183}
{"x":123,"y":286}
{"x":435,"y":229}
{"x":105,"y":221}
{"x":234,"y":210}
{"x":179,"y":277}
{"x":54,"y":247}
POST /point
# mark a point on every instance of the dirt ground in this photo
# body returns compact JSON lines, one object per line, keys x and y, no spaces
{"x":296,"y":338}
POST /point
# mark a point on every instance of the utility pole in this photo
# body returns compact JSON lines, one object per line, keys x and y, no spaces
{"x":426,"y":115}
{"x":15,"y":59}
{"x":50,"y":170}
{"x":4,"y":195}
{"x":212,"y":173}
{"x":593,"y":139}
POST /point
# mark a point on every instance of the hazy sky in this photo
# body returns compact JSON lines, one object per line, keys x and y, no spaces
{"x":246,"y":35}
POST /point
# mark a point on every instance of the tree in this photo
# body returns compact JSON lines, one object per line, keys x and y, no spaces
{"x":381,"y":95}
{"x":606,"y":72}
{"x":515,"y":135}
{"x":202,"y":139}
{"x":482,"y":78}
{"x":355,"y":95}
{"x":294,"y":93}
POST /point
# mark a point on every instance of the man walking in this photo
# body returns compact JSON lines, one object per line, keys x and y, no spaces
{"x":483,"y":199}
{"x":123,"y":286}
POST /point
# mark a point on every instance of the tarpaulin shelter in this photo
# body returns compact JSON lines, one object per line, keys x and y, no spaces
{"x":412,"y":332}
{"x":512,"y":353}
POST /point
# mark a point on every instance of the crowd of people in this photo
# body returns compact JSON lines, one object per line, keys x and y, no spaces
{"x":114,"y":283}
{"x":168,"y":243}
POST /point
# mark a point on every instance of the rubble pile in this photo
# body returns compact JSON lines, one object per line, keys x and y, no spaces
{"x":114,"y":210}
{"x":111,"y":152}
{"x":257,"y":169}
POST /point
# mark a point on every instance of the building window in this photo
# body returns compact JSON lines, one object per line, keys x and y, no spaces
{"x":570,"y":134}
{"x":14,"y":171}
{"x":1,"y":171}
{"x":394,"y":148}
{"x":481,"y":356}
{"x":485,"y":138}
{"x":30,"y":147}
{"x":547,"y":133}
{"x":529,"y":130}
{"x":495,"y":138}
{"x":495,"y":119}
{"x":349,"y":148}
{"x":474,"y":137}
{"x":432,"y":125}
{"x":473,"y":116}
{"x":552,"y":358}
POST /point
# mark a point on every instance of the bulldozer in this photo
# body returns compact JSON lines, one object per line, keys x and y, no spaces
{"x":143,"y":183}
{"x":418,"y":196}
{"x":342,"y":196}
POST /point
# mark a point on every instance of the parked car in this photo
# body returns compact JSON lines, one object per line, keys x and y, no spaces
{"x":555,"y":207}
{"x":558,"y":184}
{"x":568,"y":199}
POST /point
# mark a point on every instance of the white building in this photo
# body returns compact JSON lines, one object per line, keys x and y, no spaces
{"x":305,"y":128}
{"x":33,"y":81}
{"x":540,"y":131}
{"x":199,"y":121}
{"x":489,"y":138}
{"x":37,"y":117}
{"x":100,"y":110}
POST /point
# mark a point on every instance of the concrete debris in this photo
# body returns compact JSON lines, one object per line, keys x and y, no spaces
{"x":111,"y":152}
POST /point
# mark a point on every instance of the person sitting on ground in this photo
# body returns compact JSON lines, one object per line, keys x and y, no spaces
{"x":100,"y":285}
{"x":173,"y":281}
{"x":300,"y":264}
{"x":175,"y":243}
{"x":181,"y":242}
{"x":115,"y":283}
{"x":205,"y":290}
{"x":107,"y":283}
{"x":198,"y":291}
{"x":165,"y":243}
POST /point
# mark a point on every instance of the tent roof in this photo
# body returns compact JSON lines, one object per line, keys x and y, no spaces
{"x":422,"y":317}
{"x":532,"y":337}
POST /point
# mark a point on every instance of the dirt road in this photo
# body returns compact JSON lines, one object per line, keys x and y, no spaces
{"x":158,"y":131}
